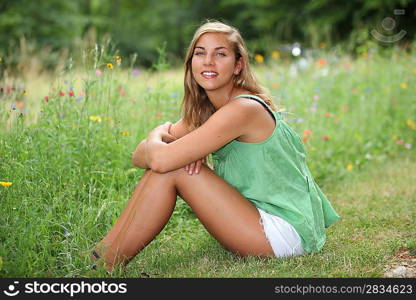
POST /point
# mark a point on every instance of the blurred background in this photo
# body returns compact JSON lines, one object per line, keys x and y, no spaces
{"x":52,"y":30}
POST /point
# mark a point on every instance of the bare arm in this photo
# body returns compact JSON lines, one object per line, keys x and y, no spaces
{"x":139,"y":156}
{"x":226,"y":124}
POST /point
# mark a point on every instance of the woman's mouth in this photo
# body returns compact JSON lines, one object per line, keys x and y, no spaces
{"x":209,"y":74}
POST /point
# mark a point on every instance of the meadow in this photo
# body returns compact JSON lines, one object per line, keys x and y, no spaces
{"x":66,"y":140}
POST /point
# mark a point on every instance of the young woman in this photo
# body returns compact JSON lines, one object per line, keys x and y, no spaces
{"x":260,"y":199}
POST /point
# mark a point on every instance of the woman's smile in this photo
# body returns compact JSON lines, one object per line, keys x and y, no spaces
{"x":209,"y":74}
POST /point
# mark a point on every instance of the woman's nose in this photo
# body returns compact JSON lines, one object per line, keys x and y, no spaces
{"x":208,"y":60}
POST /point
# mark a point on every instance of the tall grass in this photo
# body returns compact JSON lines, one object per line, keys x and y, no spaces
{"x":66,"y":142}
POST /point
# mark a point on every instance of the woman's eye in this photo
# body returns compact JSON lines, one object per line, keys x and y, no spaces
{"x":198,"y":53}
{"x":221,"y":54}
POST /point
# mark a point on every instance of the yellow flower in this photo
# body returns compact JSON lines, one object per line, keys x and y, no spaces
{"x":109,"y":66}
{"x":125,"y":133}
{"x":414,"y":70}
{"x":259,"y":58}
{"x":349,"y":167}
{"x":394,"y":137}
{"x":24,"y":92}
{"x":6,"y":183}
{"x":275,"y":54}
{"x":411,"y":124}
{"x":322,"y":45}
{"x":403,"y":85}
{"x":95,"y":119}
{"x":117,"y":59}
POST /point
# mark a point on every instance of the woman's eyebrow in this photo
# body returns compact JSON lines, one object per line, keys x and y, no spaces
{"x":217,"y":48}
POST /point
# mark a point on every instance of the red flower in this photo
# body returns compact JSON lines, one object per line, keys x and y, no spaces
{"x":325,"y":137}
{"x":46,"y":98}
{"x":62,"y":93}
{"x":328,"y":115}
{"x":71,"y":94}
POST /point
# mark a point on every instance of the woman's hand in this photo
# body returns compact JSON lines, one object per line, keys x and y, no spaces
{"x":195,"y":166}
{"x":161,"y":132}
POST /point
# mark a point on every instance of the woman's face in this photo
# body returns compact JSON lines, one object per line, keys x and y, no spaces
{"x":214,"y":62}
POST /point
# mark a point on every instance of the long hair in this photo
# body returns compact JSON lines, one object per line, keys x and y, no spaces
{"x":196,"y":107}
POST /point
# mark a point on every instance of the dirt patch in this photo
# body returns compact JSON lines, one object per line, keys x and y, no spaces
{"x":403,"y":265}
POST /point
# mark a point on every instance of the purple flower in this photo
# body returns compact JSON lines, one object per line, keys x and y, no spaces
{"x":135,"y":72}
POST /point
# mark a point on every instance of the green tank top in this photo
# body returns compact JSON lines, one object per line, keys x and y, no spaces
{"x":273,"y":176}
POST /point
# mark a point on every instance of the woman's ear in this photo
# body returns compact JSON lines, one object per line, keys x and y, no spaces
{"x":238,"y":66}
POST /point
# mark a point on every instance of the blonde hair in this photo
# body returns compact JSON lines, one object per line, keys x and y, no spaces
{"x":196,"y":107}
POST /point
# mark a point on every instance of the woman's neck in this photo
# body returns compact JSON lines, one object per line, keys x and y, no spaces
{"x":220,"y":98}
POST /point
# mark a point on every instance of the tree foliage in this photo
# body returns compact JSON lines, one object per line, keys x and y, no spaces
{"x":143,"y":26}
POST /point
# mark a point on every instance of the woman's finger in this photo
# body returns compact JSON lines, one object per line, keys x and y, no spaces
{"x":198,"y":166}
{"x":191,"y":168}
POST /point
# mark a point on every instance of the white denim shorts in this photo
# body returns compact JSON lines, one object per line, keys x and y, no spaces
{"x":282,"y":236}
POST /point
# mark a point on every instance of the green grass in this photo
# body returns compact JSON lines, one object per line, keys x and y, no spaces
{"x":72,"y":175}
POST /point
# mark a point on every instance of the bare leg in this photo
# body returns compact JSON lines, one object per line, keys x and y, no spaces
{"x":224,"y":212}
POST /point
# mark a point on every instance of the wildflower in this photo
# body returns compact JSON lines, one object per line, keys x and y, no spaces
{"x":400,"y":142}
{"x":275,"y":85}
{"x":98,"y":72}
{"x":79,"y":98}
{"x":321,"y":62}
{"x":46,"y":98}
{"x":62,"y":93}
{"x":306,"y":135}
{"x":345,"y":107}
{"x":325,"y":137}
{"x":126,"y":133}
{"x":24,"y":92}
{"x":316,"y":97}
{"x":110,"y":66}
{"x":71,"y":94}
{"x":328,"y":114}
{"x":322,"y":45}
{"x":354,"y":91}
{"x":121,"y":91}
{"x":411,"y":124}
{"x":275,"y":54}
{"x":349,"y":167}
{"x":259,"y":58}
{"x":117,"y":59}
{"x":135,"y":72}
{"x":403,"y":85}
{"x":364,"y":55}
{"x":394,"y":137}
{"x":20,"y":104}
{"x":158,"y":115}
{"x":6,"y":183}
{"x":408,"y":146}
{"x":95,"y":119}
